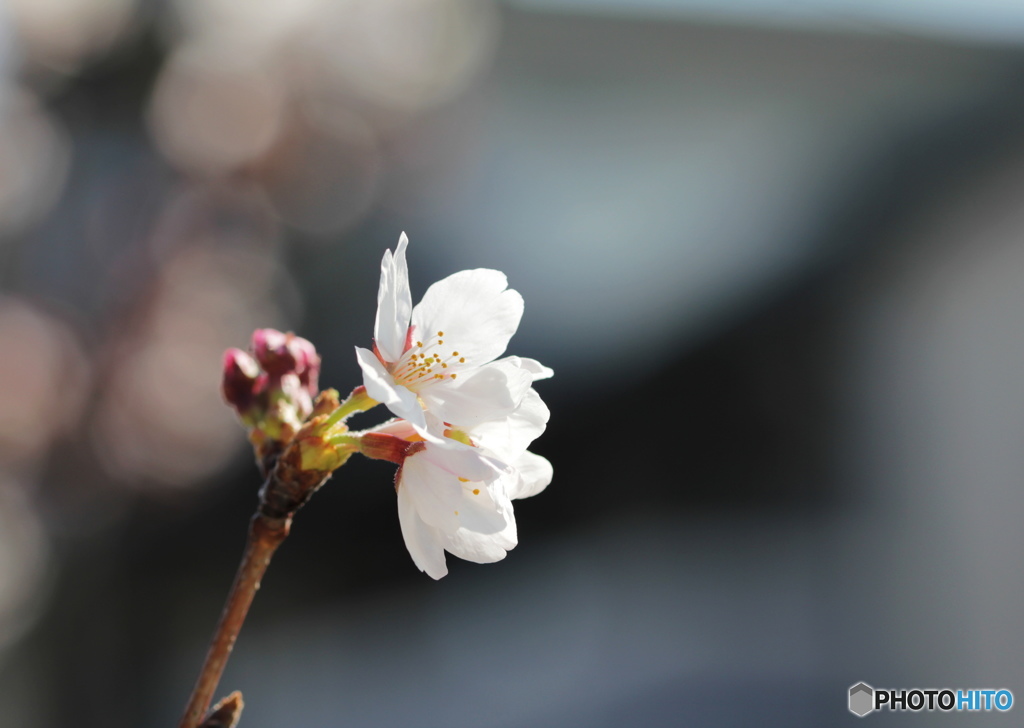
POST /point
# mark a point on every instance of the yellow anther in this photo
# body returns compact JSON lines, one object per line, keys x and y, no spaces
{"x":462,"y":360}
{"x":476,"y":491}
{"x":455,"y":353}
{"x":443,"y":365}
{"x":440,"y":341}
{"x":463,"y":480}
{"x":452,"y":376}
{"x":440,"y":333}
{"x":419,"y":344}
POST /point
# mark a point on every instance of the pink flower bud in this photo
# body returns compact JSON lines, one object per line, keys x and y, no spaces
{"x":307,"y":364}
{"x":272,"y":351}
{"x":242,"y":381}
{"x":280,"y":354}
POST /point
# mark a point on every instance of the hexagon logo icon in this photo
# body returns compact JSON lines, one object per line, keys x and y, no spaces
{"x":862,"y":699}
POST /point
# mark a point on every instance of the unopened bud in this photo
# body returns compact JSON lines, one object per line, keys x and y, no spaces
{"x":307,"y":364}
{"x":273,"y":389}
{"x":242,"y":381}
{"x":271,"y":349}
{"x":280,"y":354}
{"x":297,"y":395}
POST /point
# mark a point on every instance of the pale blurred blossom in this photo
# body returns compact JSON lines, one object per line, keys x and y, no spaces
{"x":160,"y":419}
{"x":402,"y":54}
{"x":64,"y":33}
{"x":305,"y":97}
{"x":325,"y":177}
{"x":257,"y":29}
{"x":44,"y":381}
{"x":406,"y":55}
{"x":212,"y":114}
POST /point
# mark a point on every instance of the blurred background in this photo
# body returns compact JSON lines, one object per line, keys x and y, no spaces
{"x":773,"y":251}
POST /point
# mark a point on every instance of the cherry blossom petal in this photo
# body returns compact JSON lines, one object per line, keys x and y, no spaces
{"x":435,"y":492}
{"x":382,"y":387}
{"x":394,"y":303}
{"x":534,"y":475}
{"x":474,"y":310}
{"x":475,"y":547}
{"x":473,"y":543}
{"x":423,"y":542}
{"x":482,"y":511}
{"x":459,"y":460}
{"x":534,"y":367}
{"x":489,"y":392}
{"x":509,"y":437}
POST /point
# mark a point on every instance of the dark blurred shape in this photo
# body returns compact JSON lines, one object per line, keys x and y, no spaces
{"x":25,"y":563}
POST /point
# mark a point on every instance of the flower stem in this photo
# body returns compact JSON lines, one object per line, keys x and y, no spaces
{"x":357,"y":401}
{"x":265,"y":535}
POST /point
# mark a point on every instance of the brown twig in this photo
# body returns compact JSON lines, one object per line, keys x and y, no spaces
{"x":226,"y":713}
{"x":265,"y":535}
{"x":290,"y":482}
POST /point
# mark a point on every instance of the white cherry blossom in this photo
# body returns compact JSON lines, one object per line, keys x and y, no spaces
{"x":444,"y":507}
{"x":440,"y":355}
{"x":455,"y":492}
